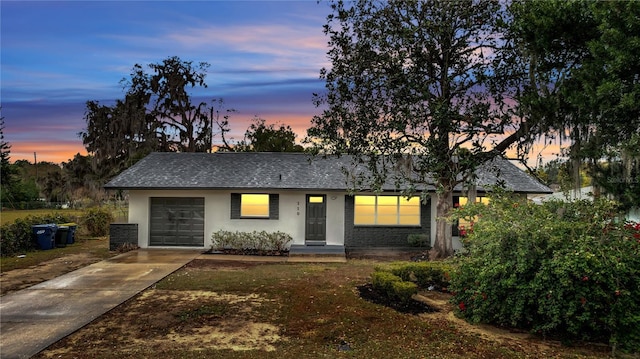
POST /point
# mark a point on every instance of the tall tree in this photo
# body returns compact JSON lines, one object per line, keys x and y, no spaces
{"x":158,"y":113}
{"x":82,"y":179}
{"x":7,"y":171}
{"x":412,"y":86}
{"x":188,"y":123}
{"x":261,"y":137}
{"x":583,"y":69}
{"x":5,"y":154}
{"x":119,"y":135}
{"x":619,"y":173}
{"x":545,"y":42}
{"x":608,"y":89}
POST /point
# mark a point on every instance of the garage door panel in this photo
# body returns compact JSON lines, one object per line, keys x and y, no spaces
{"x":177,"y":221}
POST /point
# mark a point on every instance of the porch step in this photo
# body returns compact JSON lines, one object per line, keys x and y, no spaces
{"x":317,"y":250}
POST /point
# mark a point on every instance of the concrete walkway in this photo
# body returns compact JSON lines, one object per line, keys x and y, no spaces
{"x":34,"y":318}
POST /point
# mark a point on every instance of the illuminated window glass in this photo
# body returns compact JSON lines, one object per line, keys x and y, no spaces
{"x":462,"y":201}
{"x":409,"y":211}
{"x":254,"y":205}
{"x":365,"y":210}
{"x":386,"y":211}
{"x":316,"y":199}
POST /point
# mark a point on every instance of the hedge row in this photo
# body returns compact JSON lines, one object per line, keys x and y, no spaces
{"x":17,"y":237}
{"x":260,"y":241}
{"x":399,"y":281}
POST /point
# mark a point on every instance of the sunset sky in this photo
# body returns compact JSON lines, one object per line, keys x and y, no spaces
{"x":265,"y":60}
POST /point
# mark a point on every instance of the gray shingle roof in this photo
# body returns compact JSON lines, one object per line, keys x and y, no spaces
{"x":286,"y":171}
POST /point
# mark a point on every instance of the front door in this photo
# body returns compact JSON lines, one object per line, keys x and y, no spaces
{"x":316,"y":220}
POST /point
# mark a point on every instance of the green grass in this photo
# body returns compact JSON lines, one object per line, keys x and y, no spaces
{"x":9,"y":216}
{"x":97,"y":247}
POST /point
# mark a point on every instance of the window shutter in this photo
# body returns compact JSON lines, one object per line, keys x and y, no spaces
{"x":274,"y":206}
{"x":235,"y":205}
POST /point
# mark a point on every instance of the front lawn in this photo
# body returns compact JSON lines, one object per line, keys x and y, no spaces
{"x":95,"y":247}
{"x":10,"y":216}
{"x":219,"y":309}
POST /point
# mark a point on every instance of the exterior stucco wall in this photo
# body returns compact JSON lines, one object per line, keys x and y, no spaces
{"x":218,"y":214}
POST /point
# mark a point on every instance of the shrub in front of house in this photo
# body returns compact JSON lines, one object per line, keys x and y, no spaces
{"x":96,"y":221}
{"x":393,"y":287}
{"x":18,"y":237}
{"x":566,"y":270}
{"x":425,"y":274}
{"x":256,"y":242}
{"x":419,"y":240}
{"x":397,"y":282}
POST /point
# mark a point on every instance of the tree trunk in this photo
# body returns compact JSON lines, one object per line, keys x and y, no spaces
{"x":443,"y":245}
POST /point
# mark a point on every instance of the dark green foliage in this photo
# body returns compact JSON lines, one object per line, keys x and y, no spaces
{"x":18,"y":185}
{"x":620,"y":174}
{"x":419,"y":240}
{"x":17,"y":237}
{"x":570,"y":270}
{"x":393,"y":287}
{"x":97,"y":221}
{"x":424,"y":274}
{"x":578,"y":78}
{"x":399,"y":281}
{"x":261,"y":137}
{"x":6,"y":172}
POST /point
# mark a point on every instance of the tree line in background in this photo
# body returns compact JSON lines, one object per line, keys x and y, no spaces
{"x":159,"y":113}
{"x":156,"y":114}
{"x":430,"y":88}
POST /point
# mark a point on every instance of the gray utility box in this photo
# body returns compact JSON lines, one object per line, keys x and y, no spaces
{"x":122,"y":233}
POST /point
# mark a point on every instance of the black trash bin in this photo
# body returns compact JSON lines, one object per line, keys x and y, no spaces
{"x":45,"y":235}
{"x":71,"y":235}
{"x":61,"y":236}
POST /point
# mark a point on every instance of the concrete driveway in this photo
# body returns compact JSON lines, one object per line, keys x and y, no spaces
{"x":34,"y":318}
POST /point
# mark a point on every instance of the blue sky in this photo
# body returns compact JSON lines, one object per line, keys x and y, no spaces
{"x":265,"y":60}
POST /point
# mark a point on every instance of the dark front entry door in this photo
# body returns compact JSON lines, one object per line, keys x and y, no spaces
{"x":316,"y":220}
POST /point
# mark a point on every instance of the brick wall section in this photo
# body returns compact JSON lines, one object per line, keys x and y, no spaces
{"x":122,"y":233}
{"x":381,"y":236}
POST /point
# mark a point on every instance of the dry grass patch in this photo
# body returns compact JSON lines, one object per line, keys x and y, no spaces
{"x":212,"y":309}
{"x":175,"y":320}
{"x":37,"y":267}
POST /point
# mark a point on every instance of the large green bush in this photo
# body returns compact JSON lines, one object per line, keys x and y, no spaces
{"x":18,"y":238}
{"x":96,"y":221}
{"x":570,"y":270}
